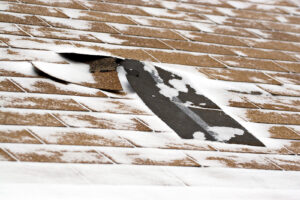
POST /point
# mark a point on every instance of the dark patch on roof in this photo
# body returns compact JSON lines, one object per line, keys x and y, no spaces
{"x":184,"y":120}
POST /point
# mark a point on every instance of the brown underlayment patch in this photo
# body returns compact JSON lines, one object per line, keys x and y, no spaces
{"x":5,"y":157}
{"x":89,"y":121}
{"x":242,"y":62}
{"x":7,"y":86}
{"x":150,"y":32}
{"x":113,"y":8}
{"x":238,"y":75}
{"x":213,"y":38}
{"x":292,"y":67}
{"x":30,"y":20}
{"x":180,"y":162}
{"x":55,"y":33}
{"x":263,"y":54}
{"x":282,"y":132}
{"x":198,"y":47}
{"x":49,"y":88}
{"x":233,"y":162}
{"x":84,"y":139}
{"x":17,"y":136}
{"x":15,"y":118}
{"x":104,"y":17}
{"x":141,"y":42}
{"x":40,"y":103}
{"x":55,"y":3}
{"x":105,"y":80}
{"x":62,"y":156}
{"x":35,"y":10}
{"x":273,"y":117}
{"x":185,"y":59}
{"x":287,"y":78}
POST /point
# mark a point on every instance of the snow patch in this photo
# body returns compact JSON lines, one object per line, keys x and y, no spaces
{"x":199,"y":136}
{"x":225,"y":133}
{"x":74,"y":73}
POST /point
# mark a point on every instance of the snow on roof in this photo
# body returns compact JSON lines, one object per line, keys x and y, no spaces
{"x":61,"y":125}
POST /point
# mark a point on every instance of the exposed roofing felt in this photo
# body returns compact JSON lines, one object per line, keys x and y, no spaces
{"x":91,"y":132}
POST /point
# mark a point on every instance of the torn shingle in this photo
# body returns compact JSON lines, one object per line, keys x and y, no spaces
{"x":167,"y":96}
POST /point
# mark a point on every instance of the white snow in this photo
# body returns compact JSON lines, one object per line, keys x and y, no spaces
{"x":24,"y":68}
{"x":199,"y":136}
{"x":224,"y":134}
{"x":217,"y":19}
{"x":73,"y":73}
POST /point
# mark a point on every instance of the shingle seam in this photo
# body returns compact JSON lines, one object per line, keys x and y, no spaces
{"x":35,"y":136}
{"x":10,"y":154}
{"x":17,"y":25}
{"x":145,"y":124}
{"x":83,"y":106}
{"x":84,"y":178}
{"x":274,"y":163}
{"x":59,"y":120}
{"x":273,"y":78}
{"x":144,"y":50}
{"x":107,"y":156}
{"x":40,"y":18}
{"x":81,"y":4}
{"x":298,"y":133}
{"x":173,"y":175}
{"x":16,"y":84}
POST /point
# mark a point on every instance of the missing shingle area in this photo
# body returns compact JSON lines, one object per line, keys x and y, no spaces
{"x":189,"y":114}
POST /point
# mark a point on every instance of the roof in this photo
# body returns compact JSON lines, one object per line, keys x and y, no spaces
{"x":60,"y":124}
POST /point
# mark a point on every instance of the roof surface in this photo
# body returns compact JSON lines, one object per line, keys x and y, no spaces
{"x":242,"y":55}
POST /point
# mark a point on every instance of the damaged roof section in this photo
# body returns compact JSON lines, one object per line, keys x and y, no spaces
{"x":189,"y":114}
{"x":86,"y":70}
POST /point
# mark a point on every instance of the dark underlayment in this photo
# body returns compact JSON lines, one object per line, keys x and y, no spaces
{"x":187,"y":114}
{"x":184,"y":120}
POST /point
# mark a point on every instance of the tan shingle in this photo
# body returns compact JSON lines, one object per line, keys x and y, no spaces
{"x":239,"y":75}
